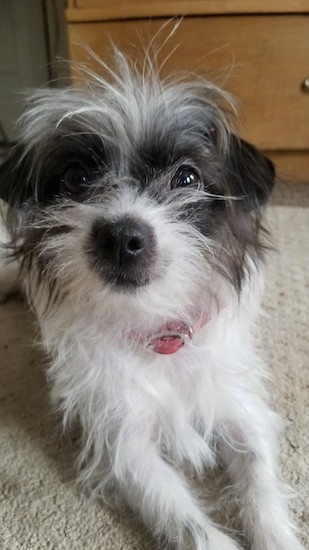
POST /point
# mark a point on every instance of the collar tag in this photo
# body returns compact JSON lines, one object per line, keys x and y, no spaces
{"x":170,"y":339}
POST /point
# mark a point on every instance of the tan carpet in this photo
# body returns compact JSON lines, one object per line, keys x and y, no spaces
{"x":39,"y":506}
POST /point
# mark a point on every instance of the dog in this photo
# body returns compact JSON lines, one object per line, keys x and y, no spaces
{"x":133,"y":223}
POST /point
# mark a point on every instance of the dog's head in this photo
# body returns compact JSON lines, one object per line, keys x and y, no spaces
{"x":135,"y":188}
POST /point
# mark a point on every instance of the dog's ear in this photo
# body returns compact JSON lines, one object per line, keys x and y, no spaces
{"x":251,"y":174}
{"x":15,"y":181}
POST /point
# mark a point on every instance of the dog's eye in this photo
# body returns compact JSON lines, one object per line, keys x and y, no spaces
{"x":186,"y":176}
{"x":75,"y":180}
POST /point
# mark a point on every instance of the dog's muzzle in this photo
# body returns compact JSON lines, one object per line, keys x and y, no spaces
{"x":124,"y":251}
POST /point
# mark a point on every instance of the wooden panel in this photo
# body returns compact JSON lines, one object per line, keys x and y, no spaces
{"x":263,"y":60}
{"x":291,"y":166}
{"x":100,"y":10}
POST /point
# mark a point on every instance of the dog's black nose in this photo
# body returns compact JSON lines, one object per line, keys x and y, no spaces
{"x":124,"y":243}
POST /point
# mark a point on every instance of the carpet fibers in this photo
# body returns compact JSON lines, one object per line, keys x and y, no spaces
{"x":41,"y":509}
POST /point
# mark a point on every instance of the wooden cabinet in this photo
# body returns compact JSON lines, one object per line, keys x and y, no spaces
{"x":261,"y":57}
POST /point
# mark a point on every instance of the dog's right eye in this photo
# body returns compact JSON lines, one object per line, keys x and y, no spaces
{"x":75,"y":181}
{"x":186,"y":176}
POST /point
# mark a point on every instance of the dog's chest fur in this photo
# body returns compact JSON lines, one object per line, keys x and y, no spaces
{"x":120,"y":393}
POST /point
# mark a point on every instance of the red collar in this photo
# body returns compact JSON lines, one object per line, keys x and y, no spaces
{"x":169,"y":338}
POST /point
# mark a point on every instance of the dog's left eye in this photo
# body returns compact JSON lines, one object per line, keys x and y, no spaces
{"x":75,"y":180}
{"x":186,"y":176}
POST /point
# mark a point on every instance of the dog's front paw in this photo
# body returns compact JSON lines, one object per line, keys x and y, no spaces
{"x":220,"y":541}
{"x":211,"y":539}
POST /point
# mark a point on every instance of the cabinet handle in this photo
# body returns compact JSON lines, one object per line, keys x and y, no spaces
{"x":305,"y":85}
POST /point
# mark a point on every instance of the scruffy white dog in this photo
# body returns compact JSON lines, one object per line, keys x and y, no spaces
{"x":134,"y":215}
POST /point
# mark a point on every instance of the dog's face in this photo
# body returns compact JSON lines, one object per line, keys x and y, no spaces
{"x":135,"y":187}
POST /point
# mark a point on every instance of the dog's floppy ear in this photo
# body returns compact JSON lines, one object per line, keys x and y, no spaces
{"x":251,"y":174}
{"x":15,"y":184}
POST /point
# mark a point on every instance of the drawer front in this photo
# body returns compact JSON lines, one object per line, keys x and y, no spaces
{"x":262,"y":60}
{"x":89,"y":10}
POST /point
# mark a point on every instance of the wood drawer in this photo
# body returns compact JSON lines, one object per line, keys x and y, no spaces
{"x":102,"y":10}
{"x":262,"y":59}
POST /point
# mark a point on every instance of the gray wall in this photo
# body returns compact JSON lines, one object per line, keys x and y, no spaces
{"x":32,"y":35}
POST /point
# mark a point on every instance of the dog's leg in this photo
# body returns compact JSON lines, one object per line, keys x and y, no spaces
{"x":164,"y":501}
{"x":249,"y":452}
